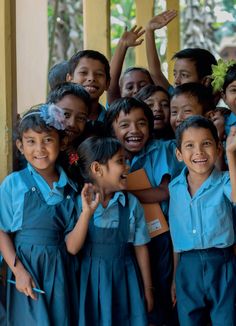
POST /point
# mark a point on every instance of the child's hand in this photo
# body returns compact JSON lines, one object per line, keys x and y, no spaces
{"x":131,"y":38}
{"x":231,"y":141}
{"x":161,"y":20}
{"x":25,"y":283}
{"x":90,"y":198}
{"x":149,"y":298}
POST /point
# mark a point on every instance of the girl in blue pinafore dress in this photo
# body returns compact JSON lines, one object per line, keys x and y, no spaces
{"x":111,"y":236}
{"x":37,"y":211}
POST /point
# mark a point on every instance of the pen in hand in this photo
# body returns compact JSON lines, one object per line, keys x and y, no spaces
{"x":34,"y":289}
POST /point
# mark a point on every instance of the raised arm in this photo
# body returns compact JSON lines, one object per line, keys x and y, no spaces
{"x":76,"y":238}
{"x":231,"y":156}
{"x":129,"y":39}
{"x":154,"y":64}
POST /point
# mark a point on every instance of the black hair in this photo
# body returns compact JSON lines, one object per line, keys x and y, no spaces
{"x":148,"y":90}
{"x":197,"y":122}
{"x":200,"y":92}
{"x":32,"y":120}
{"x":91,"y":54}
{"x":68,"y":88}
{"x":229,"y":77}
{"x":57,"y":74}
{"x":202,"y":58}
{"x":141,"y":69}
{"x":95,"y":148}
{"x":126,"y":104}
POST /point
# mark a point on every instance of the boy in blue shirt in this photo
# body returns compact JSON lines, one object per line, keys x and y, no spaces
{"x":91,"y":69}
{"x":201,"y":225}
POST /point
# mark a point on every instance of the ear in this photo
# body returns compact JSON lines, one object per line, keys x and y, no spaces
{"x":69,"y":78}
{"x":206,"y":81}
{"x":19,"y":145}
{"x":178,"y":155}
{"x":96,"y":169}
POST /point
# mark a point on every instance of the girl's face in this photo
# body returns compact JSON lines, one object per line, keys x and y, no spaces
{"x":132,"y":82}
{"x":198,"y":151}
{"x":160,"y":105}
{"x":182,"y":107}
{"x":76,"y":114}
{"x":114,"y":173}
{"x":40,"y":149}
{"x":132,"y":129}
{"x":230,"y":96}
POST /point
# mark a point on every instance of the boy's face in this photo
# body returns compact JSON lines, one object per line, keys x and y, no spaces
{"x":185,"y":72}
{"x":91,"y":75}
{"x":76,"y":114}
{"x":132,"y":82}
{"x":160,"y":105}
{"x":182,"y":107}
{"x":230,"y":96}
{"x":132,"y":129}
{"x":198,"y":151}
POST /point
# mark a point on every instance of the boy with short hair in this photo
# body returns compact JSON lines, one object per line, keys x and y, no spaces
{"x":91,"y":69}
{"x":201,"y":225}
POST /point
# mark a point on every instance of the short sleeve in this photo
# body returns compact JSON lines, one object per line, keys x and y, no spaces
{"x":140,"y":235}
{"x":12,"y":192}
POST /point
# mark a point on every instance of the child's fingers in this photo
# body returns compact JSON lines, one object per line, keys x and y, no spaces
{"x":139,"y":42}
{"x":31,"y":293}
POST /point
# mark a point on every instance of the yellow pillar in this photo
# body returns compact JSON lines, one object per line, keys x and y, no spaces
{"x":173,"y":37}
{"x":144,"y":12}
{"x":6,"y":85}
{"x":96,"y":15}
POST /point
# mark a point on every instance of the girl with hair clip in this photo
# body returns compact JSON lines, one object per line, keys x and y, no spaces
{"x":37,"y":213}
{"x":111,"y":236}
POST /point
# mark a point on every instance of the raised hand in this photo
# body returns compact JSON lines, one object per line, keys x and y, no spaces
{"x":90,"y":198}
{"x":161,"y":20}
{"x":132,"y":37}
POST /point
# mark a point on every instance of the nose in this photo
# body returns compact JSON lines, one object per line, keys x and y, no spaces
{"x":180,"y":116}
{"x":91,"y":76}
{"x":157,"y":108}
{"x":136,"y":88}
{"x":40,"y":146}
{"x":134,"y":128}
{"x":71,"y":122}
{"x":177,"y":80}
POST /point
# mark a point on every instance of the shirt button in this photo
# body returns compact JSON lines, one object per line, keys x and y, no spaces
{"x":194,"y":231}
{"x":33,"y":189}
{"x":68,"y":196}
{"x":50,"y":194}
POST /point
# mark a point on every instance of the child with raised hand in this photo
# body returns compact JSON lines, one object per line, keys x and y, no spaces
{"x":158,"y":99}
{"x":110,"y":232}
{"x":131,"y":122}
{"x":154,"y":65}
{"x":201,"y":225}
{"x":224,"y":80}
{"x":38,"y":212}
{"x":133,"y":78}
{"x":91,"y":69}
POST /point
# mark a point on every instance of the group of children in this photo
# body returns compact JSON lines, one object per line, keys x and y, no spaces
{"x":78,"y":248}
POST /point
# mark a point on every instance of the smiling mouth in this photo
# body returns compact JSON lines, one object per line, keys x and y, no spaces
{"x":91,"y":89}
{"x":200,"y":161}
{"x":134,"y":139}
{"x":40,"y":157}
{"x":158,"y":118}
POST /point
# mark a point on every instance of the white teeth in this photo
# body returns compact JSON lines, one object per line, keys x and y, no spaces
{"x":133,"y":139}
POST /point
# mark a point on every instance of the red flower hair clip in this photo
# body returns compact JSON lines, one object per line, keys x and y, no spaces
{"x":73,"y":158}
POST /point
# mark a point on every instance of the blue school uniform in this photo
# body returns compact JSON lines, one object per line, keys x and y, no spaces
{"x":40,"y":220}
{"x":202,"y":233}
{"x":230,"y":120}
{"x":110,"y":286}
{"x":157,"y":158}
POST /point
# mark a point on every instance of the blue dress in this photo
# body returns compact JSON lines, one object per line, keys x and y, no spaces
{"x":111,"y":290}
{"x":40,"y":246}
